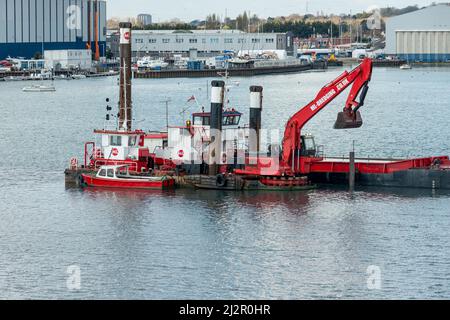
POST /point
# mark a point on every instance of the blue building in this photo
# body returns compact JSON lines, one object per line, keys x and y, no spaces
{"x":28,"y":27}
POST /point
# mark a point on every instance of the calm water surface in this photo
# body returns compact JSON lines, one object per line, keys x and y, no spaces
{"x":208,"y":245}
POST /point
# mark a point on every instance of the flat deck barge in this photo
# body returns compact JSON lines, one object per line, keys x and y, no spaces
{"x":233,"y":72}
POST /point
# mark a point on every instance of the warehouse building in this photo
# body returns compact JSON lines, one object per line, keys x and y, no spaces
{"x":420,"y":36}
{"x":68,"y":59}
{"x":205,"y":42}
{"x":28,"y":27}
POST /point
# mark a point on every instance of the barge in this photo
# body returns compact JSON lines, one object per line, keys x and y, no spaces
{"x":211,"y":73}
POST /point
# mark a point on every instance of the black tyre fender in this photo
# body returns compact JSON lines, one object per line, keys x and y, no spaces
{"x":81,"y":181}
{"x":221,"y":180}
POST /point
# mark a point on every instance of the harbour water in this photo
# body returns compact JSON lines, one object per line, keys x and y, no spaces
{"x":223,"y":245}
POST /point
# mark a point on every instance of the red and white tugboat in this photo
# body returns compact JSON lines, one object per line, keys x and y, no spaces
{"x":120,"y":145}
{"x":120,"y":177}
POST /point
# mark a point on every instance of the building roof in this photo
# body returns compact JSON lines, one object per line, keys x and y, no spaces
{"x":435,"y":16}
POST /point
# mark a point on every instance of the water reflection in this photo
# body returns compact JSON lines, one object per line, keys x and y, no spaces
{"x":210,"y":244}
{"x":136,"y":195}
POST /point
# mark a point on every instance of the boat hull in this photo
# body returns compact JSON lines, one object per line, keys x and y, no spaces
{"x":39,"y":89}
{"x":414,"y":178}
{"x":163,"y":183}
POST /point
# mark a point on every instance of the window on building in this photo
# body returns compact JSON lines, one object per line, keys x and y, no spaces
{"x":152,"y":40}
{"x":165,"y":40}
{"x":228,"y":40}
{"x":269,"y":40}
{"x":254,"y":40}
{"x":214,"y":40}
{"x":139,"y":40}
{"x":179,"y":40}
{"x":241,"y":40}
{"x":192,"y":40}
{"x":203,"y":40}
{"x":115,"y":140}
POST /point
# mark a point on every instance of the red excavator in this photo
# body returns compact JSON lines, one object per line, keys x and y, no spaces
{"x":295,"y":146}
{"x":300,"y":160}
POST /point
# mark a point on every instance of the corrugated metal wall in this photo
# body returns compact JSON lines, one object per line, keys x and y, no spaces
{"x":32,"y":21}
{"x":3,"y":22}
{"x":426,"y":46}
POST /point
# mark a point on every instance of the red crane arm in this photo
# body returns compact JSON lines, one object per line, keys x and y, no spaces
{"x":360,"y":77}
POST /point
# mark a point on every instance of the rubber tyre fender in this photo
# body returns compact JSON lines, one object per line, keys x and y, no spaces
{"x":221,"y":181}
{"x":81,"y":181}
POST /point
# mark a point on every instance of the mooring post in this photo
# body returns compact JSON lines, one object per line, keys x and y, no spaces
{"x":352,"y":172}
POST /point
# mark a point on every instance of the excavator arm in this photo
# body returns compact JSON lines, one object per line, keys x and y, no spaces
{"x":349,"y":118}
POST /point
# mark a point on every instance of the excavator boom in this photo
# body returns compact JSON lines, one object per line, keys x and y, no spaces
{"x":349,"y":118}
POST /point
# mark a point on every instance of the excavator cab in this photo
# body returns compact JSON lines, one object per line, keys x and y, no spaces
{"x":309,"y":148}
{"x":348,"y":120}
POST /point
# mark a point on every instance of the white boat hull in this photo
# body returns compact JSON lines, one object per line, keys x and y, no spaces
{"x":39,"y":89}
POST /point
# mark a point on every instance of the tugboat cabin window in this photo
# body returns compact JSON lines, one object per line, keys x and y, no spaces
{"x":132,"y":141}
{"x":202,"y":120}
{"x":111,"y":173}
{"x":231,"y":120}
{"x":102,"y":173}
{"x":115,"y":140}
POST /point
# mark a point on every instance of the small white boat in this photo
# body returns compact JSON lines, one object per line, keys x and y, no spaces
{"x":62,"y":77}
{"x":39,"y":88}
{"x":14,"y":78}
{"x":405,"y":67}
{"x":78,"y":76}
{"x":42,"y":75}
{"x":149,"y":63}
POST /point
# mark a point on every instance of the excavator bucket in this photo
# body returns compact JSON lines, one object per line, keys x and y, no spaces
{"x":348,"y":120}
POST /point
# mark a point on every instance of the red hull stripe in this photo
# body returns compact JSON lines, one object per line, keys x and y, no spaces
{"x":128,"y":183}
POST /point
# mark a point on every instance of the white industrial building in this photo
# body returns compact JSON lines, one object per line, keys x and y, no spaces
{"x":206,"y":42}
{"x":68,"y":59}
{"x":422,"y":36}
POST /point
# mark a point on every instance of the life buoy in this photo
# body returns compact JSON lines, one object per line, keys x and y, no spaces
{"x":73,"y":163}
{"x":221,"y":181}
{"x":98,"y":153}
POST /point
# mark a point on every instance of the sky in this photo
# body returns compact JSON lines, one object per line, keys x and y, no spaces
{"x":188,"y":10}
